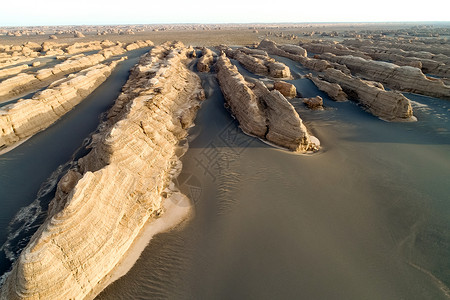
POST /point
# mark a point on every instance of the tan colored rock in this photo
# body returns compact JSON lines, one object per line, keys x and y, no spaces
{"x":23,"y":82}
{"x":403,"y":78}
{"x":78,"y":34}
{"x":242,"y":101}
{"x":438,"y":65}
{"x":117,"y":187}
{"x":388,"y":105}
{"x":27,"y":117}
{"x":258,"y":62}
{"x":337,"y":49}
{"x":294,"y":53}
{"x":260,"y":112}
{"x":83,"y":47}
{"x":138,"y":44}
{"x":333,"y":90}
{"x":314,"y":102}
{"x":286,"y":89}
{"x":12,"y":70}
{"x":204,"y":63}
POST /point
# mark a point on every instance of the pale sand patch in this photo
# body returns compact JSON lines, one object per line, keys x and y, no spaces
{"x":177,"y":208}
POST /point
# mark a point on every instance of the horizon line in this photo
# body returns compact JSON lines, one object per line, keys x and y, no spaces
{"x":234,"y":23}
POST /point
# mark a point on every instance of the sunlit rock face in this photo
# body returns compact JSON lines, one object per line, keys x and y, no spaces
{"x":101,"y":205}
{"x":388,"y":105}
{"x":262,"y":113}
{"x":27,"y":117}
{"x":403,"y":78}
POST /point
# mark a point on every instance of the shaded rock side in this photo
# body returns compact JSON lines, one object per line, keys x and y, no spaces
{"x":27,"y":117}
{"x":333,"y":90}
{"x":403,"y":78}
{"x":388,"y":105}
{"x":204,"y":63}
{"x":101,"y":205}
{"x":260,"y":112}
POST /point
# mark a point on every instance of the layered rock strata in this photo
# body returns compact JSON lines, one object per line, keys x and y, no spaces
{"x":101,"y":205}
{"x":388,"y":105}
{"x":23,"y":82}
{"x":13,"y":70}
{"x":295,"y":53}
{"x":337,"y":49}
{"x":27,"y":117}
{"x":438,"y":65}
{"x":403,"y":78}
{"x":204,"y":63}
{"x":288,"y":90}
{"x":333,"y":90}
{"x":262,"y":113}
{"x":259,"y":62}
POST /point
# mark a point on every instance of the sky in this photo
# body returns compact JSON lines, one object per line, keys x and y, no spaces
{"x":91,"y":12}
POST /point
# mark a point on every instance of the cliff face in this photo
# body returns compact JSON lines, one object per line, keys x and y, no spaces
{"x":27,"y":117}
{"x":263,"y":113}
{"x":403,"y":78}
{"x":101,"y":206}
{"x":242,"y":101}
{"x":388,"y":105}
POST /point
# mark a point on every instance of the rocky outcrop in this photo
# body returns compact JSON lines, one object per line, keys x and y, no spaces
{"x":388,"y":105}
{"x":427,"y":62}
{"x":27,"y":117}
{"x":23,"y":82}
{"x":83,"y":47}
{"x":288,"y":90}
{"x":204,"y":63}
{"x":262,"y":113}
{"x":337,"y":49}
{"x":258,"y":62}
{"x":403,"y":78}
{"x":12,"y":70}
{"x":314,"y":102}
{"x":101,"y":205}
{"x":295,"y":53}
{"x":333,"y":90}
{"x":138,"y":44}
{"x":78,"y":34}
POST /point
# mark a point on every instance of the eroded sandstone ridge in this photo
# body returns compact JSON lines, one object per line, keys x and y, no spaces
{"x":403,"y":78}
{"x":27,"y":117}
{"x":22,"y":82}
{"x":389,"y":105}
{"x":205,"y":62}
{"x":295,"y":53}
{"x":258,"y":62}
{"x":101,"y":205}
{"x":333,"y":90}
{"x":262,"y":113}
